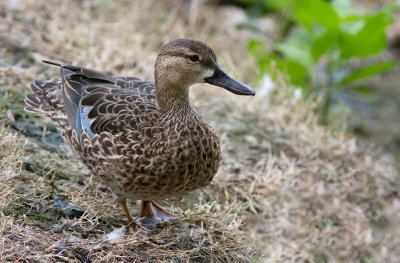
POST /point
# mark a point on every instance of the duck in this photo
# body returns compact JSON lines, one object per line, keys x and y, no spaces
{"x":143,"y":140}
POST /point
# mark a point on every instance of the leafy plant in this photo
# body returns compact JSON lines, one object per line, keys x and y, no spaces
{"x":316,"y":54}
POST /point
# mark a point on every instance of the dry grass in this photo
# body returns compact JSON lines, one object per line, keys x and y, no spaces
{"x":288,"y":189}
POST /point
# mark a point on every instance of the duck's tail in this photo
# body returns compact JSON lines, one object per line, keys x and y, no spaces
{"x":46,"y":97}
{"x":52,"y":62}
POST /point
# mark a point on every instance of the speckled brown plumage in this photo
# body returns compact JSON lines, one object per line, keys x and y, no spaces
{"x":144,"y":141}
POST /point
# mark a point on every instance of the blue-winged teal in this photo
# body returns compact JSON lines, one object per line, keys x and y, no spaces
{"x":144,"y":141}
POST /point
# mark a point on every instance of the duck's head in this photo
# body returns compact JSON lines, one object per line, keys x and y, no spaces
{"x":183,"y":62}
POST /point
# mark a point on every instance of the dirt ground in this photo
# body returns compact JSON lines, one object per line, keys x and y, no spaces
{"x":288,"y":190}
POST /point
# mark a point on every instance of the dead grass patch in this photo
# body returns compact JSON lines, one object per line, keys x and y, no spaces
{"x":288,"y":189}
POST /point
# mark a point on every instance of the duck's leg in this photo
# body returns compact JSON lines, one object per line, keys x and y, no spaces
{"x":152,"y":213}
{"x":131,"y":223}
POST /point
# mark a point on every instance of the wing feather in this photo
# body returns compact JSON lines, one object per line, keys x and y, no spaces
{"x":96,"y":102}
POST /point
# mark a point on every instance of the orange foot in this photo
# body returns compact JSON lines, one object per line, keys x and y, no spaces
{"x":133,"y":227}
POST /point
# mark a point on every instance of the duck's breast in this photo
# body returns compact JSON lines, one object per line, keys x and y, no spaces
{"x":185,"y":156}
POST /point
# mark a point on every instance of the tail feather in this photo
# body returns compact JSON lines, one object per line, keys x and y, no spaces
{"x":33,"y":103}
{"x":52,"y":62}
{"x":46,"y":97}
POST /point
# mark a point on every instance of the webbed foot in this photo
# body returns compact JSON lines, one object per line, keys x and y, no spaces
{"x":132,"y":226}
{"x":151,"y":213}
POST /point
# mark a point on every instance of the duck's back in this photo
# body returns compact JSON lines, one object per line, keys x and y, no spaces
{"x":88,"y":100}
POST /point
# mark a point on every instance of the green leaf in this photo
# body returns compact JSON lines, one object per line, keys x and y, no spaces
{"x":363,"y":36}
{"x":352,"y":25}
{"x":260,"y":52}
{"x":297,"y":73}
{"x":275,"y":66}
{"x":282,"y":5}
{"x":297,"y":48}
{"x":301,"y":37}
{"x":342,"y":7}
{"x":247,"y":2}
{"x":367,"y":71}
{"x":256,"y":46}
{"x":362,"y":90}
{"x":296,"y":54}
{"x":322,"y":44}
{"x":308,"y":12}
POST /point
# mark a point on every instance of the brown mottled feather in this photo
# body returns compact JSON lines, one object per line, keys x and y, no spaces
{"x":139,"y":149}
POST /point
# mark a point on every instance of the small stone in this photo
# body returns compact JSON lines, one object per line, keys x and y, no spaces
{"x":70,"y":210}
{"x":58,"y":228}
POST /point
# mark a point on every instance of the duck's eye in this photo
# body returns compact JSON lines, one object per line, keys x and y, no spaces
{"x":194,"y":58}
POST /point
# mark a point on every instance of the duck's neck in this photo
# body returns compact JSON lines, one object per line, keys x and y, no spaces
{"x":172,"y":98}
